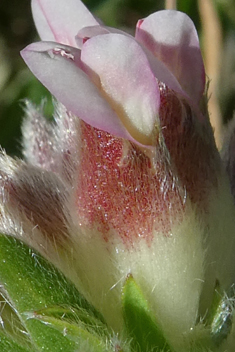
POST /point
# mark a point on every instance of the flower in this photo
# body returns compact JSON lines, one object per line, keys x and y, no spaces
{"x":127,"y":179}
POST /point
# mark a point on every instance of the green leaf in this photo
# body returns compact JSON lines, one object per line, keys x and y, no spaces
{"x":67,"y":337}
{"x":46,"y":338}
{"x":140,"y":323}
{"x":11,"y":324}
{"x":77,"y":316}
{"x":8,"y":345}
{"x":33,"y":284}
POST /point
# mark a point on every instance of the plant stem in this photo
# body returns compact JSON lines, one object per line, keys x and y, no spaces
{"x":212,"y":45}
{"x":170,"y":4}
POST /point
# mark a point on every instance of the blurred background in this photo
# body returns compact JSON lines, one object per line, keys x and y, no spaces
{"x":215,"y":22}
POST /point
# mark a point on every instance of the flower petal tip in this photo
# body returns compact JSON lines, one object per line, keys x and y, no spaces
{"x":172,"y":37}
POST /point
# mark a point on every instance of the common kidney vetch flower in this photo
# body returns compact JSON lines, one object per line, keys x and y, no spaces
{"x":127,"y":179}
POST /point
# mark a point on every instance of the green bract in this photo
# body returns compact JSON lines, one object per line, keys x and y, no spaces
{"x":54,"y":315}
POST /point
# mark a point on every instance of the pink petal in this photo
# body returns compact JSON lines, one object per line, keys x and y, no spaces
{"x":60,"y":21}
{"x":159,"y":69}
{"x":56,"y":66}
{"x":162,"y":73}
{"x":92,"y":31}
{"x":119,"y":66}
{"x":172,"y":38}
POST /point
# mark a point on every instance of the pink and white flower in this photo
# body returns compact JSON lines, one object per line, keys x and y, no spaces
{"x":127,"y":179}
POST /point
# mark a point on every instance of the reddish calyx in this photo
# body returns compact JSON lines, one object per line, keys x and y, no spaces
{"x":129,"y":191}
{"x":120,"y":189}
